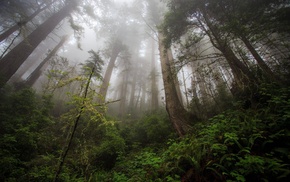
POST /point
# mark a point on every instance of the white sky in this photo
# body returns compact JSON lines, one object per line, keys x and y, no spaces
{"x":123,"y":1}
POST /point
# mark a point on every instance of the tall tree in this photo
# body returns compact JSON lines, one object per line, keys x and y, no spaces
{"x":91,"y":68}
{"x":240,"y":71}
{"x":243,"y":19}
{"x":133,"y":89}
{"x":143,"y":105}
{"x":203,"y":20}
{"x":153,"y":77}
{"x":123,"y":93}
{"x":43,"y":6}
{"x":124,"y":83}
{"x":176,"y":111}
{"x":118,"y":46}
{"x":10,"y":63}
{"x":226,"y":21}
{"x":175,"y":72}
{"x":31,"y":79}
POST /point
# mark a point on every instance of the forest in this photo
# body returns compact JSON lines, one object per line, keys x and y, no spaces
{"x":144,"y":90}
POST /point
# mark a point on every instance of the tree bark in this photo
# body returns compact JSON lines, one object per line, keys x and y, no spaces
{"x":177,"y":114}
{"x":10,"y":63}
{"x":174,"y":72}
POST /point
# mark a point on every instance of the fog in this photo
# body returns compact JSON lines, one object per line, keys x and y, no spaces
{"x":123,"y":33}
{"x":144,"y":90}
{"x":98,"y":26}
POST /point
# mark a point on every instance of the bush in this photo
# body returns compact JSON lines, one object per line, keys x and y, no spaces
{"x":143,"y":165}
{"x":23,"y":115}
{"x":151,"y":129}
{"x":237,"y":145}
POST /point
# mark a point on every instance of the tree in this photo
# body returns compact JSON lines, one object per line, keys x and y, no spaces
{"x":203,"y":20}
{"x":123,"y":92}
{"x":246,"y":22}
{"x":177,"y":113}
{"x":117,"y":47}
{"x":174,"y":72}
{"x":31,"y":79}
{"x":175,"y":109}
{"x":244,"y":19}
{"x":13,"y":59}
{"x":93,"y":65}
{"x":133,"y":88}
{"x":92,"y":68}
{"x":43,"y":6}
{"x":153,"y":77}
{"x":24,"y":115}
{"x":240,"y":71}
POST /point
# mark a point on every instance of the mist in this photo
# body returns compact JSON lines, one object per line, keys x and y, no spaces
{"x":144,"y":90}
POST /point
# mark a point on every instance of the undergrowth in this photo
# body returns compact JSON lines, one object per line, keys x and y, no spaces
{"x":236,"y":145}
{"x":240,"y":144}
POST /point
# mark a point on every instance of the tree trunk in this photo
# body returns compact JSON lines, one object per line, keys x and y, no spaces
{"x":194,"y":91}
{"x":203,"y":94}
{"x":79,"y":114}
{"x":242,"y":74}
{"x":260,"y":61}
{"x":185,"y":88}
{"x":154,"y":87}
{"x":143,"y":106}
{"x":15,"y":27}
{"x":138,"y":98}
{"x":133,"y":88}
{"x":174,"y":108}
{"x":37,"y":72}
{"x":174,"y":72}
{"x":123,"y":95}
{"x":10,"y":63}
{"x":104,"y":87}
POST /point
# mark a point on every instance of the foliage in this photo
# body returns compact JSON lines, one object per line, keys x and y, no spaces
{"x":32,"y":140}
{"x":95,"y":62}
{"x":110,"y":147}
{"x":24,"y":116}
{"x":238,"y":145}
{"x":246,"y":140}
{"x":138,"y":166}
{"x":150,"y":129}
{"x":144,"y":139}
{"x":206,"y":107}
